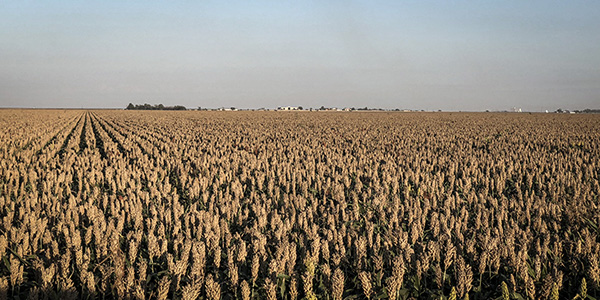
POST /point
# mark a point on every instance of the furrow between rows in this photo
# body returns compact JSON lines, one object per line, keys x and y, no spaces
{"x":67,"y":141}
{"x":58,"y":134}
{"x":99,"y":141}
{"x":173,"y":172}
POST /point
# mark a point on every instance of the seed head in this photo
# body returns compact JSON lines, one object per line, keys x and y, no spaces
{"x":337,"y":284}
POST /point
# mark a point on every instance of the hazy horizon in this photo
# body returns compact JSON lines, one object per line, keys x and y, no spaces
{"x":430,"y":55}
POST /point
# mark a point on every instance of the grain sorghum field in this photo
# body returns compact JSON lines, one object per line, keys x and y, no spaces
{"x":298,"y":205}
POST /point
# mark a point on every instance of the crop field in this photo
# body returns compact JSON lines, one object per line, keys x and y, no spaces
{"x":107,"y":204}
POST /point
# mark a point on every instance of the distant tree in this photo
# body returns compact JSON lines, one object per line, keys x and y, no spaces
{"x":147,"y":106}
{"x":300,"y":108}
{"x":322,"y":107}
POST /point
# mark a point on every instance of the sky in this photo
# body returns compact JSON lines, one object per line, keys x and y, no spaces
{"x":431,"y":55}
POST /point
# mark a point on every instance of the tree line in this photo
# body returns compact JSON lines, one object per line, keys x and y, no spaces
{"x":147,"y":106}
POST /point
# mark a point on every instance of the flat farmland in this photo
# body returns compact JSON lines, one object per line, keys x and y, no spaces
{"x":107,"y":204}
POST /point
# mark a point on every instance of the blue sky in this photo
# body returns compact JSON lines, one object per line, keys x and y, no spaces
{"x":449,"y":55}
